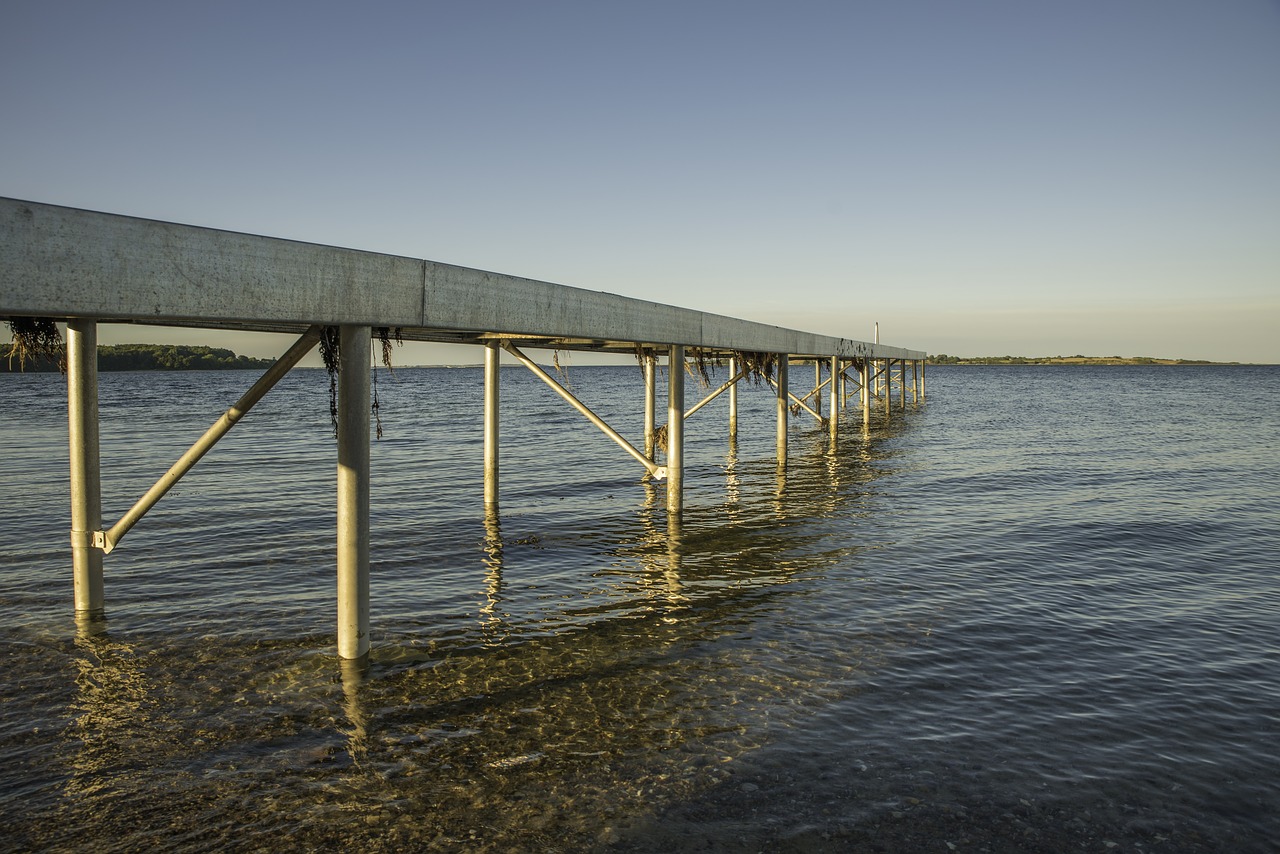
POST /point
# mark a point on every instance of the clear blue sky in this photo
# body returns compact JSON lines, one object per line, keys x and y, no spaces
{"x":982,"y":178}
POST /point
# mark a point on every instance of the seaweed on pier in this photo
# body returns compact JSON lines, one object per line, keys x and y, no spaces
{"x":643,"y":353}
{"x":699,"y":364}
{"x":385,"y":335}
{"x":331,"y":355}
{"x":36,"y":338}
{"x":660,"y":438}
{"x":759,"y":367}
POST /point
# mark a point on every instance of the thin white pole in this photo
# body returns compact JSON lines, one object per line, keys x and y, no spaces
{"x":86,"y":484}
{"x":886,"y":379}
{"x":817,"y":384}
{"x":835,"y":399}
{"x":650,"y":404}
{"x":733,"y":398}
{"x":492,"y":364}
{"x":650,"y":466}
{"x":675,"y":431}
{"x":902,"y":384}
{"x":353,"y":492}
{"x":866,"y":394}
{"x":305,"y":343}
{"x":782,"y":409}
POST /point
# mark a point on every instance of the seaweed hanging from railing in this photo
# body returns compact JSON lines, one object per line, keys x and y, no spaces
{"x":331,"y":355}
{"x":36,"y":339}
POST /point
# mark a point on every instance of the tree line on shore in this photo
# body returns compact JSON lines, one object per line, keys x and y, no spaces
{"x":944,"y":359}
{"x":150,"y":357}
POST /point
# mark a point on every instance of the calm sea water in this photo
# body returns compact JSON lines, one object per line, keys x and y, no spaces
{"x":1039,"y":612}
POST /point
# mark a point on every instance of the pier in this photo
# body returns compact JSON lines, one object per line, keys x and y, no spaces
{"x":85,"y":268}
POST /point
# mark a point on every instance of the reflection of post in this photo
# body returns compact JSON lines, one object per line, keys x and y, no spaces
{"x":733,"y":400}
{"x":493,"y":562}
{"x":353,"y":492}
{"x":732,"y":481}
{"x":115,"y":711}
{"x":675,"y":590}
{"x":86,"y":485}
{"x":492,"y":362}
{"x":353,"y":676}
{"x":782,"y":410}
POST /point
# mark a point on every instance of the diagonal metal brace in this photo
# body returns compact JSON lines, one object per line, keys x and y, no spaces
{"x":656,"y":471}
{"x":108,"y":539}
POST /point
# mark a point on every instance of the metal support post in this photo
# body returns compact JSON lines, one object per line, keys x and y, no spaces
{"x":109,"y":539}
{"x":353,"y":492}
{"x":835,"y":399}
{"x":492,"y":363}
{"x":733,"y":398}
{"x":650,"y":466}
{"x":782,"y":409}
{"x":650,"y":404}
{"x":675,"y":431}
{"x":902,"y":384}
{"x":915,"y":380}
{"x":866,"y":394}
{"x":86,"y":483}
{"x":886,"y":379}
{"x":923,"y":363}
{"x":817,"y":384}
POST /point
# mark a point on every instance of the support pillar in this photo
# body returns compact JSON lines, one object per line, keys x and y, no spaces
{"x":866,"y":394}
{"x":835,"y":400}
{"x":886,"y":380}
{"x":492,"y":363}
{"x":86,"y":483}
{"x":915,"y":380}
{"x":902,"y":384}
{"x":675,"y":431}
{"x":353,"y":492}
{"x":923,"y":363}
{"x":817,"y":381}
{"x":650,"y":404}
{"x":782,"y":410}
{"x":733,"y":400}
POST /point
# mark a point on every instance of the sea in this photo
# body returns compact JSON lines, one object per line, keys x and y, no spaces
{"x":1036,"y":611}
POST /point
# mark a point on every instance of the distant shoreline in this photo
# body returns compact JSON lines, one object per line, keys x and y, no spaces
{"x":945,"y":361}
{"x":162,"y":357}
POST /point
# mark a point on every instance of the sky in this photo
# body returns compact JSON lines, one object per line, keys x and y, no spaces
{"x":980,"y":177}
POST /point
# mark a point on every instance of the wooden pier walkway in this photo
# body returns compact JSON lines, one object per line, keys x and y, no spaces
{"x":85,"y":268}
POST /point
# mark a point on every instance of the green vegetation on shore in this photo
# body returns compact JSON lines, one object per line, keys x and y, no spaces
{"x":151,"y":357}
{"x":944,"y":359}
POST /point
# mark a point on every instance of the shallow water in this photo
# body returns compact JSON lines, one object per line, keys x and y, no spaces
{"x":1036,"y":613}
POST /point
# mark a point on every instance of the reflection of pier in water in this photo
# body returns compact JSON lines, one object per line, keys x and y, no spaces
{"x":645,"y":563}
{"x":85,"y":268}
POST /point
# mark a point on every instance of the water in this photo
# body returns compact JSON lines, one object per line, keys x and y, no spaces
{"x":1037,"y":613}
